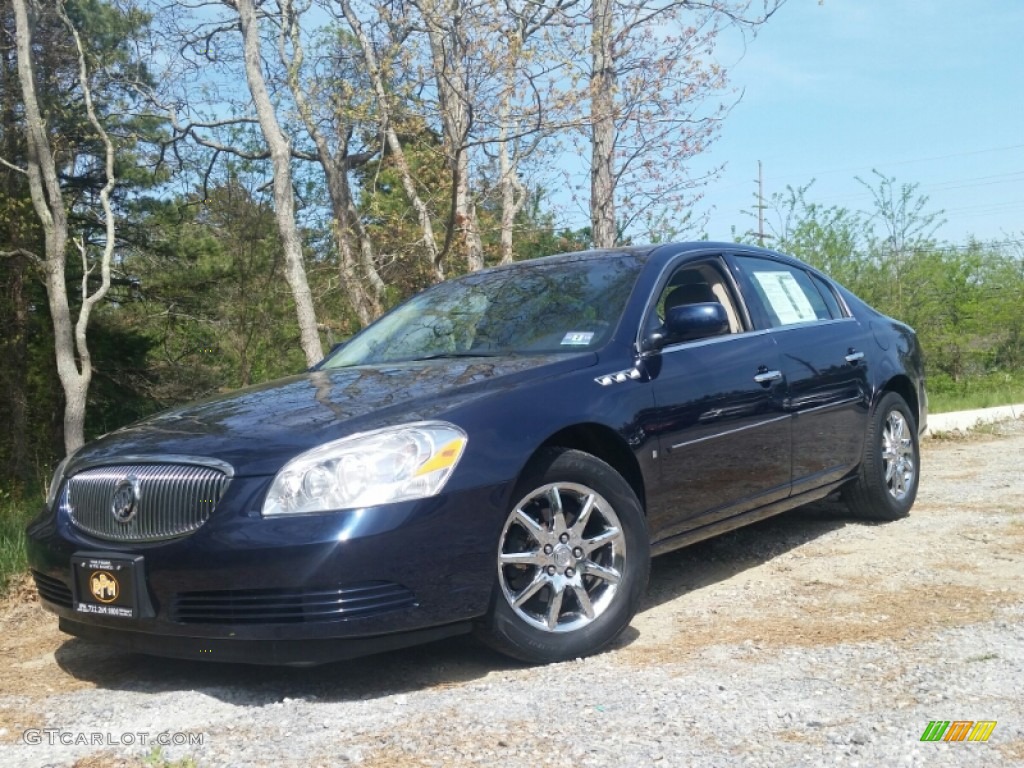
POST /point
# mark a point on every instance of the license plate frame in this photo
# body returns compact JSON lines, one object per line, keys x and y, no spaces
{"x":107,"y":585}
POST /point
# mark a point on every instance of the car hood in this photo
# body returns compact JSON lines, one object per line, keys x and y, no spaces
{"x":257,"y":429}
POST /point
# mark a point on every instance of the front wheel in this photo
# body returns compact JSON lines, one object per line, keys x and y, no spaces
{"x":572,"y":560}
{"x":886,"y":483}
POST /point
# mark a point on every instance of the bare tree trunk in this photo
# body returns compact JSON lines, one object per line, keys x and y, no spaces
{"x":391,"y":137}
{"x":363,"y":294}
{"x":602,"y":117}
{"x":284,"y":197}
{"x":512,"y":198}
{"x":48,"y":200}
{"x":443,"y":21}
{"x":364,"y":299}
{"x":513,"y":195}
{"x":465,"y":215}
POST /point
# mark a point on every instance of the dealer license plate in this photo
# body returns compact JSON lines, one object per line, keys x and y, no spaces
{"x":106,"y":586}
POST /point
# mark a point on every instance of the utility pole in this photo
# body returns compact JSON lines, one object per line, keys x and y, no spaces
{"x":761,"y":236}
{"x":760,"y":205}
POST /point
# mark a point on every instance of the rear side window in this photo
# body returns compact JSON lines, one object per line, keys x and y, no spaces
{"x":786,"y":294}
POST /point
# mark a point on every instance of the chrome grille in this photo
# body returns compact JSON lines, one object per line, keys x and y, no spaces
{"x":173,"y":500}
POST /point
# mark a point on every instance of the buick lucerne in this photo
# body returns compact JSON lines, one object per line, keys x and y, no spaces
{"x":501,"y":454}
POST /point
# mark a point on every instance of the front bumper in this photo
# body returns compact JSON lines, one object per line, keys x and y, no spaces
{"x":300,"y":590}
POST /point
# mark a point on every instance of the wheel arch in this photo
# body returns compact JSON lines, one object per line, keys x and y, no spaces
{"x":904,"y":387}
{"x":607,"y":445}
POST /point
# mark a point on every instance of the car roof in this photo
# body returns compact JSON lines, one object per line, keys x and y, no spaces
{"x":642,"y":253}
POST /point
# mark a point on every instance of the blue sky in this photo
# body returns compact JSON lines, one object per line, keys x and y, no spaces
{"x":928,"y":91}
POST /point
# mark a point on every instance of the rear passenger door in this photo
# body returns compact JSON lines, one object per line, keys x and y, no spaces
{"x":824,"y":361}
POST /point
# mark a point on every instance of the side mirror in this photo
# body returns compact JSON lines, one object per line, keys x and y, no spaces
{"x":689,"y":322}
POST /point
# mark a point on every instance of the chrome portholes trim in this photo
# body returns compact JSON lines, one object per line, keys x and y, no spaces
{"x":619,"y":377}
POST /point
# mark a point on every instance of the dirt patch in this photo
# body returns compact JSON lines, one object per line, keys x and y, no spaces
{"x":1012,"y":750}
{"x":876,"y":614}
{"x":27,"y":652}
{"x":14,"y":721}
{"x":804,"y":586}
{"x":102,"y":760}
{"x":818,"y":577}
{"x":514,"y":744}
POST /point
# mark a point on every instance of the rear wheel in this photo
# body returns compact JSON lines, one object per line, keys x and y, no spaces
{"x":887,"y":481}
{"x":572,"y":561}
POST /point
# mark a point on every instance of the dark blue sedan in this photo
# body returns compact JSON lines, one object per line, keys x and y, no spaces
{"x":503,"y":453}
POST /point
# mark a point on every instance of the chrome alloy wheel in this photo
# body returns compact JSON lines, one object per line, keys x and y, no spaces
{"x":561,"y":557}
{"x":898,"y":457}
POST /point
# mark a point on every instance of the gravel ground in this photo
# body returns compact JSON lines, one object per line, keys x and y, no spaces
{"x":805,"y":640}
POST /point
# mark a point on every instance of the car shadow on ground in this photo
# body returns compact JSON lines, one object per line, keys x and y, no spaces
{"x":445,"y":663}
{"x":722,"y":557}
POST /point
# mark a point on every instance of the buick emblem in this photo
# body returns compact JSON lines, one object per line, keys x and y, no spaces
{"x":125,"y":501}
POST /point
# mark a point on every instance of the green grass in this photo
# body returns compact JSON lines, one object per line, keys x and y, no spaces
{"x":156,"y":759}
{"x":945,"y":395}
{"x":15,"y":512}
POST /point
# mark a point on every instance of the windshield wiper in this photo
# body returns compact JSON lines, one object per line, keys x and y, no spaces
{"x":453,"y":355}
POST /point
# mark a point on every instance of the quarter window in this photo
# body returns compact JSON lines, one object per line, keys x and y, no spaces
{"x":829,"y":296}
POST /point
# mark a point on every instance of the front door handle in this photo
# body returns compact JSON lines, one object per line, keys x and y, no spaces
{"x":765,"y":377}
{"x":854,"y":356}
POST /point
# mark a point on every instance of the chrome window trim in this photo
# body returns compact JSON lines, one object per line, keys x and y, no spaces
{"x":810,"y":324}
{"x":681,"y":345}
{"x":746,"y":335}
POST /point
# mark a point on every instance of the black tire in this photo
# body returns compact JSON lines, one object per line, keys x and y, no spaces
{"x":581,"y":582}
{"x":890,"y":470}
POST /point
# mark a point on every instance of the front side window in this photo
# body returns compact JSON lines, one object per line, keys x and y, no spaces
{"x":786,"y":294}
{"x":526,"y":309}
{"x":696,"y":283}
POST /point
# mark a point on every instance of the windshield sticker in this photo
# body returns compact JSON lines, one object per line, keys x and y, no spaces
{"x":786,"y":297}
{"x":577,"y":338}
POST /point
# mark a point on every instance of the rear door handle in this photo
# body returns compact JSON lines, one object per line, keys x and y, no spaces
{"x":768,"y":376}
{"x":854,"y":356}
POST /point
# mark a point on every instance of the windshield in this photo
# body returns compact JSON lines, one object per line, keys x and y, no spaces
{"x":528,"y":309}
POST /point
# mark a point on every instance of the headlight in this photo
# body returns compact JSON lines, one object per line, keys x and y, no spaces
{"x":58,"y":476}
{"x":394,"y":464}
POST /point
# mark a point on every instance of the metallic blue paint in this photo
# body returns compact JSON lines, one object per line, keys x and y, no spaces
{"x":713,"y":450}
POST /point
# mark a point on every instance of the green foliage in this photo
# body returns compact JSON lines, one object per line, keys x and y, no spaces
{"x":157,"y":759}
{"x":16,"y":509}
{"x":963,"y":301}
{"x":984,"y":391}
{"x":214,"y":311}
